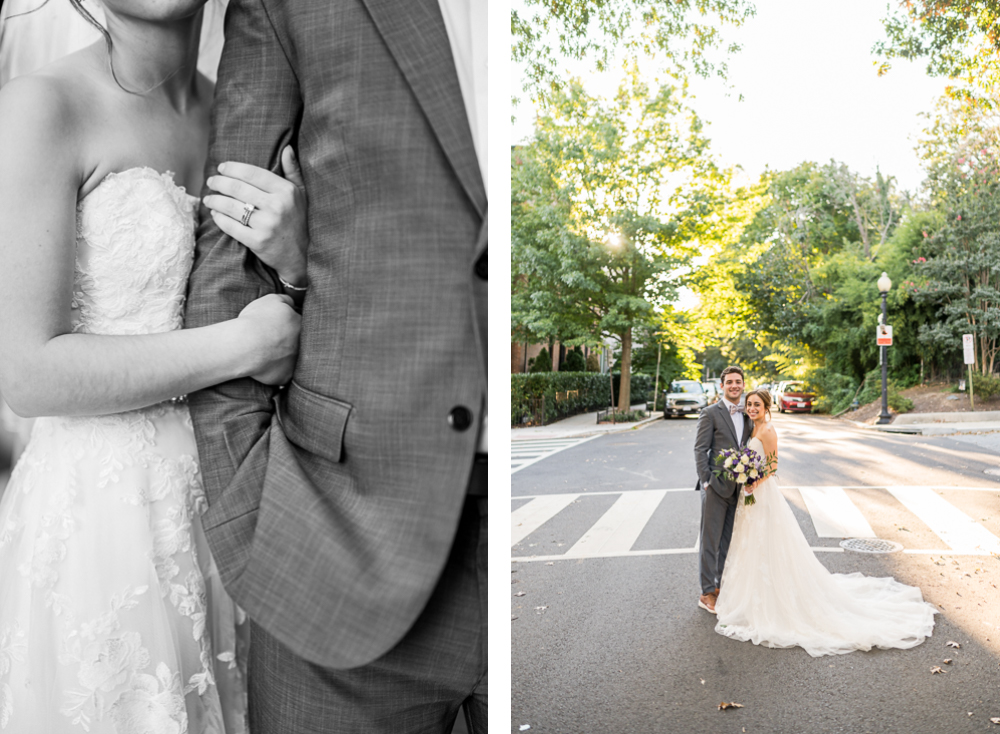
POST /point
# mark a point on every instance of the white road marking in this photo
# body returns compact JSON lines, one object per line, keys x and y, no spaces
{"x":620,"y":526}
{"x":953,"y":526}
{"x":834,"y":515}
{"x":614,"y":534}
{"x":529,"y":451}
{"x":527,"y":518}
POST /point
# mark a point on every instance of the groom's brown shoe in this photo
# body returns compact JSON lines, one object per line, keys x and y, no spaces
{"x":707,"y":601}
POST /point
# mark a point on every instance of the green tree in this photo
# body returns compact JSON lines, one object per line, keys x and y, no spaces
{"x":608,"y":203}
{"x":682,"y":34}
{"x":959,"y":39}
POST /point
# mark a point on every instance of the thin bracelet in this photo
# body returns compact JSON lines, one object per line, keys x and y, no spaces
{"x":291,"y":287}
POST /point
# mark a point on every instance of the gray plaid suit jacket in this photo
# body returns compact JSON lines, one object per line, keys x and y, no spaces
{"x":333,"y":503}
{"x":714,"y":433}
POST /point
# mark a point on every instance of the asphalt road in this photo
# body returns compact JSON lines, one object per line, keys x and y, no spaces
{"x":609,"y":638}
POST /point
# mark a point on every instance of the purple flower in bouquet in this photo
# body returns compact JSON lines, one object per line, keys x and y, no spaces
{"x":743,"y":466}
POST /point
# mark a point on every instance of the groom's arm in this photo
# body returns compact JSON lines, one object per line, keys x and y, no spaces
{"x":257,"y":106}
{"x":703,"y":447}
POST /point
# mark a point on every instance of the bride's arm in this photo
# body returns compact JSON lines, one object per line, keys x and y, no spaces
{"x":769,"y":439}
{"x":45,"y":369}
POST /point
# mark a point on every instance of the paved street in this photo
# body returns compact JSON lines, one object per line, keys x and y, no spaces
{"x":606,"y":634}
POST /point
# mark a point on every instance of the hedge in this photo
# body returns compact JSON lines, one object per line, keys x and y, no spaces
{"x":578,"y":392}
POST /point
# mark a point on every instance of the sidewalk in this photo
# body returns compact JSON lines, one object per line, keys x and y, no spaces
{"x":939,"y":424}
{"x":580,"y":426}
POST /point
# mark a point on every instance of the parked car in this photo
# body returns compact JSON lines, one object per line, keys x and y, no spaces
{"x":795,"y":397}
{"x":685,"y":397}
{"x":712,"y":392}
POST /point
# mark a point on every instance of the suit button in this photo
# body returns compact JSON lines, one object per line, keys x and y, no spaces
{"x":481,"y":268}
{"x":460,"y":418}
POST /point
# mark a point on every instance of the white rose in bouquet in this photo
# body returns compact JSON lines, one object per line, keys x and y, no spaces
{"x":729,"y":462}
{"x":753,"y":473}
{"x":741,"y":478}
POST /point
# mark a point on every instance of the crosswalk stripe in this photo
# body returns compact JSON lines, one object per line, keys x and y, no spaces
{"x":953,"y":526}
{"x":831,"y":511}
{"x":833,"y":514}
{"x":620,"y":526}
{"x":527,"y":452}
{"x":527,"y":518}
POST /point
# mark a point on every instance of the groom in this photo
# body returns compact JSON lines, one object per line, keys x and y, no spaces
{"x":347,"y":513}
{"x":720,"y":426}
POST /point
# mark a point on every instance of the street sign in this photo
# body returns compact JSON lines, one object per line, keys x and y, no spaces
{"x":969,"y":349}
{"x":883,"y":335}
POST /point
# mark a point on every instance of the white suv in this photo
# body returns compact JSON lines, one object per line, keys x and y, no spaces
{"x":684,"y":397}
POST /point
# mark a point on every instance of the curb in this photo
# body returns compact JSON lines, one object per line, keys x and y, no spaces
{"x":599,"y":431}
{"x":923,"y":429}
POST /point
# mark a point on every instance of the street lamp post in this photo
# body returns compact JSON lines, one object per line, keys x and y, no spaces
{"x":884,"y":284}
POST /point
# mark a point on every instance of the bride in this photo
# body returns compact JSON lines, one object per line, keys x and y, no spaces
{"x":776,"y":593}
{"x":112,"y":615}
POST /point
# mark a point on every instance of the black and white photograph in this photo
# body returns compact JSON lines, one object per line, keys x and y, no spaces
{"x":243,"y":366}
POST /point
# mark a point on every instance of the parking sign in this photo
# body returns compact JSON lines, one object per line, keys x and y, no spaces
{"x":969,"y":348}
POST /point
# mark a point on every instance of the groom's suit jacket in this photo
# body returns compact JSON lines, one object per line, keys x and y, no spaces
{"x":715,"y":433}
{"x":334,"y":502}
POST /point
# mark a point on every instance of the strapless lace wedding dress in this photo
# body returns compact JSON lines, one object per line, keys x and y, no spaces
{"x":776,"y":593}
{"x":112,"y":616}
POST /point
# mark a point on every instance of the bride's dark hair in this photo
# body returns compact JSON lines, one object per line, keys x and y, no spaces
{"x":765,"y":397}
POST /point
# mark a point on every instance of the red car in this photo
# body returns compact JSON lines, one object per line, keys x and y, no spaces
{"x":796,"y":397}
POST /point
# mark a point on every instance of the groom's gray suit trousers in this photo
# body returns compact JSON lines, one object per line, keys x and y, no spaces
{"x":717,"y":516}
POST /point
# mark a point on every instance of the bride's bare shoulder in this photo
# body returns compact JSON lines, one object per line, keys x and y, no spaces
{"x":49,"y":113}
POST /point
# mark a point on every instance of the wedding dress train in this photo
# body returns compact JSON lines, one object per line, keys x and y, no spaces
{"x":776,"y":593}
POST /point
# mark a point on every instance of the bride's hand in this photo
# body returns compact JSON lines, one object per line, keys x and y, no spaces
{"x":272,"y":336}
{"x":276,"y":230}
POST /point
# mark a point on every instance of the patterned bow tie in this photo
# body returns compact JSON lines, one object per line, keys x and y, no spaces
{"x":734,"y":409}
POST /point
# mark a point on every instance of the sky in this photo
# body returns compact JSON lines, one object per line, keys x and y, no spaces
{"x":810,"y":92}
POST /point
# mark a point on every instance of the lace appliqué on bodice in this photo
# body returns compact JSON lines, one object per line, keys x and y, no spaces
{"x":134,"y":249}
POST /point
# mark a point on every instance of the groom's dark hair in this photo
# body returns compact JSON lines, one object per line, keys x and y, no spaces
{"x":730,"y":370}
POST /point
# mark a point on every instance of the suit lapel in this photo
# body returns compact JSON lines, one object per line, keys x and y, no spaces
{"x":721,"y":407}
{"x":416,"y":36}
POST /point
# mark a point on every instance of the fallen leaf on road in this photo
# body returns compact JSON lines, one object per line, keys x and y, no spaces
{"x":995,"y":719}
{"x":525,"y":727}
{"x":723,"y":706}
{"x":937,"y":669}
{"x":520,"y":593}
{"x":550,"y":563}
{"x":953,"y":644}
{"x":947,"y":661}
{"x":541,"y":609}
{"x":513,"y":618}
{"x":702,"y":681}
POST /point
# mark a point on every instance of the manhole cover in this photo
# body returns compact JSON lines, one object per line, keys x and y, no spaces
{"x":994,"y":472}
{"x":870,"y":545}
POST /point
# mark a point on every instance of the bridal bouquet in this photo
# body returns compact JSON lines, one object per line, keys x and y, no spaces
{"x":743,"y":466}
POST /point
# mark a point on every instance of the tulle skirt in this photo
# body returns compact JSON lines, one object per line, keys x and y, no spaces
{"x":112,"y":616}
{"x":776,"y":593}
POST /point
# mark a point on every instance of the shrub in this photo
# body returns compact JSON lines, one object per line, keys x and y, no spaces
{"x":985,"y":386}
{"x":541,"y":363}
{"x":577,"y":392}
{"x":593,"y":362}
{"x":574,"y":361}
{"x":834,"y":391}
{"x":873,"y":392}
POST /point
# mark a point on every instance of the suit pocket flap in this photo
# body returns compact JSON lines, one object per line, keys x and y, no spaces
{"x":312,"y":421}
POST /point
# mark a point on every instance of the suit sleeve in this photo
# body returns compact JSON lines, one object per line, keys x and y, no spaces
{"x":256,"y":111}
{"x":702,"y":447}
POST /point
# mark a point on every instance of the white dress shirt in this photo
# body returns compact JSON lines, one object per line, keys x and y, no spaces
{"x":465,"y":23}
{"x":737,"y":419}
